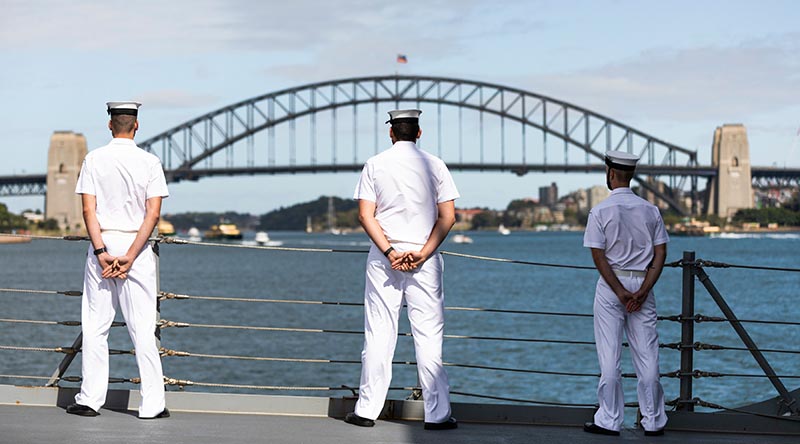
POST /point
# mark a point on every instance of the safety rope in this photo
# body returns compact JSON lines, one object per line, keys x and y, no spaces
{"x":66,"y":323}
{"x":176,"y":241}
{"x":701,"y":346}
{"x":63,"y":292}
{"x":700,"y":402}
{"x":167,"y":352}
{"x":699,"y":318}
{"x":24,"y":377}
{"x":26,"y":321}
{"x":697,"y":374}
{"x":167,"y":324}
{"x":189,"y":383}
{"x":172,"y":240}
{"x":513,"y":261}
{"x":527,"y":401}
{"x":35,"y":236}
{"x":716,"y":264}
{"x":65,"y":350}
{"x":169,"y":296}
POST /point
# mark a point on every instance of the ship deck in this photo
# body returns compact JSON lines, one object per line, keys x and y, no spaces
{"x":23,"y":424}
{"x":36,"y":415}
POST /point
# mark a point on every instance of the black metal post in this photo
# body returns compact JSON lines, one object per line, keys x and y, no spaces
{"x":687,"y":332}
{"x":789,"y":402}
{"x":64,"y":365}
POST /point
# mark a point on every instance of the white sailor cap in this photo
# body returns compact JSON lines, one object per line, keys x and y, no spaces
{"x":404,"y":115}
{"x":620,"y":160}
{"x":127,"y":108}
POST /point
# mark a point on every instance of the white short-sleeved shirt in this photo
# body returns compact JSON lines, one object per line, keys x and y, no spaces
{"x":406,"y":185}
{"x":122,"y":176}
{"x":627,"y":227}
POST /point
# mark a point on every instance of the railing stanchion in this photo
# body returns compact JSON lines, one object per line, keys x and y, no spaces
{"x":64,"y":365}
{"x":788,"y":401}
{"x":687,"y":332}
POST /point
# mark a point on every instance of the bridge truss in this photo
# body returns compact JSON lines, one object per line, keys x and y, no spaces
{"x":474,"y":126}
{"x":23,"y":185}
{"x":336,"y":125}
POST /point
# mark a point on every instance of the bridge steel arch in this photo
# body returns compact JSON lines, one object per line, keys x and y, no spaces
{"x":184,"y":147}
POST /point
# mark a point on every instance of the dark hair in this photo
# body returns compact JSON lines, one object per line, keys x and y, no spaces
{"x":625,"y":175}
{"x":405,"y":131}
{"x":122,"y":123}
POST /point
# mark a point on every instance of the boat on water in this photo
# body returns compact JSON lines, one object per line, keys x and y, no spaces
{"x":165,"y":228}
{"x":461,"y":239}
{"x":226,"y":231}
{"x":194,"y":235}
{"x":693,"y":227}
{"x":503,"y":230}
{"x":262,"y":239}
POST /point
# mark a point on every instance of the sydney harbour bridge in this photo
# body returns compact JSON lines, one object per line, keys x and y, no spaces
{"x":336,"y":125}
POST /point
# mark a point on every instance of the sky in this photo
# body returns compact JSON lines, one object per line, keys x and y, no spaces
{"x":675,"y":70}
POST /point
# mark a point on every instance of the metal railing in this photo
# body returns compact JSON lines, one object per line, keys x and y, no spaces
{"x":691,"y":267}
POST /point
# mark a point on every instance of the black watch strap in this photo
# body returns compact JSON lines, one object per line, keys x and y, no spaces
{"x":388,"y":250}
{"x":100,"y":251}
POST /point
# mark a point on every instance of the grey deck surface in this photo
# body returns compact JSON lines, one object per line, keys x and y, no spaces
{"x":22,"y":425}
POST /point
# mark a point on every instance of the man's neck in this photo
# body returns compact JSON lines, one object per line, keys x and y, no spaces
{"x":123,"y":136}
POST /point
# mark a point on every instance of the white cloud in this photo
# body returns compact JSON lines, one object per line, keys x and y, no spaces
{"x":708,"y":83}
{"x":208,"y":25}
{"x":171,"y":98}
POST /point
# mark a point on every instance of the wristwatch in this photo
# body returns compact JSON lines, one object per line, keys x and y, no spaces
{"x":100,"y":251}
{"x":388,"y":250}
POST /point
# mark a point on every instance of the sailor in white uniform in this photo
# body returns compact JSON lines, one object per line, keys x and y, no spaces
{"x":628,"y":242}
{"x":406,"y":206}
{"x":121,"y":187}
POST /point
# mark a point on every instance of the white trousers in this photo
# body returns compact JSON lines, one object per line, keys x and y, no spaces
{"x":383,"y":299}
{"x":136,"y":297}
{"x":610,"y":318}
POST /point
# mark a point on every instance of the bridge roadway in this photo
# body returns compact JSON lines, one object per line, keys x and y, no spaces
{"x":36,"y":184}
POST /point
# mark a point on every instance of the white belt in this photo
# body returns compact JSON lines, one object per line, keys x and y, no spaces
{"x":630,"y":273}
{"x":112,"y":231}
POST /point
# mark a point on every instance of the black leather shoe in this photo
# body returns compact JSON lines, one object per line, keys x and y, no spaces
{"x":591,"y":427}
{"x":354,"y":419}
{"x":447,"y":425}
{"x":81,"y":410}
{"x":658,"y":432}
{"x":163,"y":414}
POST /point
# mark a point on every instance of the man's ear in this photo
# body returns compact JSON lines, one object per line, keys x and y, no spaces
{"x":136,"y":125}
{"x":419,"y":133}
{"x":109,"y":125}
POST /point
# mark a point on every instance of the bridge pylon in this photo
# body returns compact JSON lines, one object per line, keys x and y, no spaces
{"x":731,"y":189}
{"x":64,"y":160}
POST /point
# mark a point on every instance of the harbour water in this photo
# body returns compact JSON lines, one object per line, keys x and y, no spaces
{"x":217,"y":271}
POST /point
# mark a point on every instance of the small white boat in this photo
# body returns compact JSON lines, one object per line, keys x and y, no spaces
{"x":194,"y":235}
{"x":262,"y":238}
{"x":461,"y":239}
{"x":503,"y":230}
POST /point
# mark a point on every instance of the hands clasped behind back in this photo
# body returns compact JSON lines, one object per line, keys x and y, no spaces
{"x":115,"y":267}
{"x":406,"y":261}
